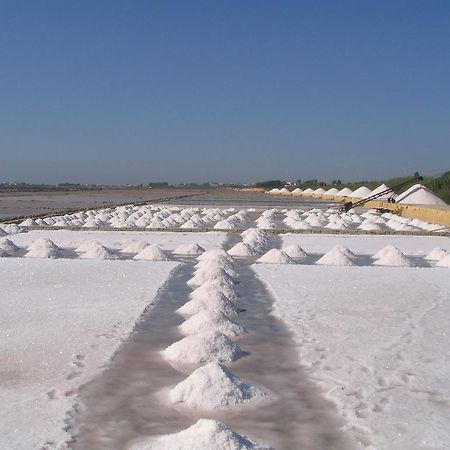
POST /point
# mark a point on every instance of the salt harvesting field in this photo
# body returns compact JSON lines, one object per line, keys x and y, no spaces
{"x":224,"y":327}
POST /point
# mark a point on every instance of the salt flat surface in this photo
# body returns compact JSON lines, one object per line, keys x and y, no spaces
{"x":366,"y":244}
{"x":377,"y":340}
{"x":116,"y":239}
{"x":60,"y":323}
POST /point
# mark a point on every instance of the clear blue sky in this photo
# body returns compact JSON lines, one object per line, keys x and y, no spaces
{"x":138,"y":91}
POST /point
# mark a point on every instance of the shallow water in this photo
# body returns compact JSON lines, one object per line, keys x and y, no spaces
{"x":126,"y":403}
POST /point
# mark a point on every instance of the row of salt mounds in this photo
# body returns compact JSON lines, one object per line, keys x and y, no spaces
{"x":254,"y":242}
{"x":9,"y":228}
{"x":43,"y":248}
{"x":232,"y":222}
{"x":208,"y":329}
{"x":337,"y":256}
{"x":205,"y":434}
{"x":147,"y":216}
{"x":419,"y":195}
{"x":214,"y":387}
{"x":391,"y":256}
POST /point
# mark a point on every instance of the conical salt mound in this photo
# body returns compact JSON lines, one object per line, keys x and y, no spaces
{"x":214,"y":387}
{"x":241,"y":249}
{"x":444,"y":262}
{"x":337,"y":256}
{"x":393,"y":257}
{"x":152,"y":253}
{"x":135,"y":247}
{"x":97,"y":251}
{"x":275,"y":256}
{"x":295,"y":251}
{"x":208,"y":321}
{"x":8,"y":246}
{"x":435,"y":255}
{"x":43,"y":248}
{"x":384,"y":251}
{"x":211,"y":287}
{"x":2,"y":232}
{"x":202,"y":348}
{"x":206,"y":434}
{"x":189,"y":249}
{"x":87,"y":245}
{"x":215,"y":302}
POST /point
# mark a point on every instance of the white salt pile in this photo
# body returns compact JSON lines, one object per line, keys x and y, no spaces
{"x":86,"y":245}
{"x":215,"y":254}
{"x":43,"y":248}
{"x":214,"y":387}
{"x":297,"y":191}
{"x":381,"y":188}
{"x":385,"y":251}
{"x":202,"y":348}
{"x":345,"y":192}
{"x":337,"y":256}
{"x":392,"y":256}
{"x":295,"y":251}
{"x":97,"y":251}
{"x":241,"y":249}
{"x":331,"y":191}
{"x":206,"y":434}
{"x":152,"y":253}
{"x":189,"y":249}
{"x":435,"y":255}
{"x":8,"y":247}
{"x":211,"y":287}
{"x":284,"y":191}
{"x":2,"y":232}
{"x":211,"y":321}
{"x":211,"y":273}
{"x":215,"y":302}
{"x":419,"y":195}
{"x":444,"y":262}
{"x":275,"y":256}
{"x":135,"y":247}
{"x":361,"y":192}
{"x":369,"y":225}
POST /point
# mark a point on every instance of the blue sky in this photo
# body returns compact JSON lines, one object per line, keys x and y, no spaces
{"x":139,"y":91}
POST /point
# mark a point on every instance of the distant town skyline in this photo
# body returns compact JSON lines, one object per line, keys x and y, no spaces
{"x":114,"y":92}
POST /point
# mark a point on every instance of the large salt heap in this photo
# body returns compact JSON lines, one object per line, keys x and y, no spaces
{"x":419,"y":195}
{"x":337,"y":256}
{"x":206,"y":434}
{"x":214,"y":387}
{"x":361,"y":192}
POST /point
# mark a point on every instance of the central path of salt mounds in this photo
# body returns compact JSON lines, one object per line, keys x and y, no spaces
{"x":206,"y":434}
{"x":212,"y":387}
{"x":162,"y":389}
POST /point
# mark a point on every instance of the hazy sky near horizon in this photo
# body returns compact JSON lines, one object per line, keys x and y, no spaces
{"x":112,"y":91}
